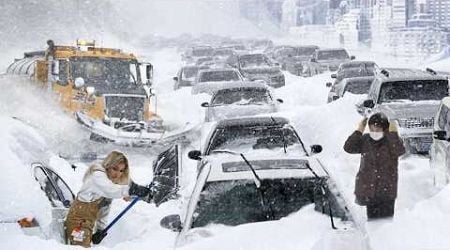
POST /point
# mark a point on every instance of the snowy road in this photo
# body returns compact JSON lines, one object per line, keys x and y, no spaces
{"x":420,"y":209}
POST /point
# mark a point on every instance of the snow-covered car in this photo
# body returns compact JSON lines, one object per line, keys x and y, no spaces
{"x":192,"y":54}
{"x":440,"y":148}
{"x":240,"y":99}
{"x":259,"y":67}
{"x":411,"y":98}
{"x":326,"y":60}
{"x":253,"y":170}
{"x":295,"y":61}
{"x":208,"y":80}
{"x":354,"y":69}
{"x":186,"y":76}
{"x":354,"y":85}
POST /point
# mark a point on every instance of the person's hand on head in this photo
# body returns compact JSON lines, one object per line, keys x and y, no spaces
{"x":362,"y":125}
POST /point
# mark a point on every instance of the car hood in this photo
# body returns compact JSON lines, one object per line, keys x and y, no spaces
{"x":261,"y":71}
{"x":226,"y":166}
{"x":423,"y":109}
{"x":237,"y":110}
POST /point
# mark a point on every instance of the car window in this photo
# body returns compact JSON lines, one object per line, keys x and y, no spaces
{"x":304,"y":51}
{"x":358,"y":88}
{"x":332,"y":55}
{"x":241,"y":96}
{"x":189,"y":73}
{"x":249,"y":138}
{"x":197,"y":52}
{"x":238,"y":201}
{"x":413,"y":90}
{"x":57,"y":191}
{"x":218,"y":76}
{"x":250,"y":61}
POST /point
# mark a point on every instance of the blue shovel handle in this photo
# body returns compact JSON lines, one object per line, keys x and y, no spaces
{"x":98,"y":237}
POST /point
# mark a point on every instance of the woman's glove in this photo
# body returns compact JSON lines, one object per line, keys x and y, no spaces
{"x":362,"y":125}
{"x":138,"y":190}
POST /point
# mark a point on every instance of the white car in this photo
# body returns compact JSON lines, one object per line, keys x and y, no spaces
{"x":440,"y":148}
{"x":253,"y":170}
{"x":240,"y":99}
{"x":208,"y":80}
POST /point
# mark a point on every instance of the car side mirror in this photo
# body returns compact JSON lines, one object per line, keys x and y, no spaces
{"x":280,"y":100}
{"x":333,"y":76}
{"x":205,"y":105}
{"x":149,"y":71}
{"x":195,"y":155}
{"x":175,"y":78}
{"x":368,"y":104}
{"x":352,"y":57}
{"x":328,"y":84}
{"x":172,"y":222}
{"x":440,"y":135}
{"x":315,"y":149}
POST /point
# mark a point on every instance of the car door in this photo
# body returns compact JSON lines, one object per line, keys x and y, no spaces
{"x":56,"y":189}
{"x":166,"y":170}
{"x":439,"y":151}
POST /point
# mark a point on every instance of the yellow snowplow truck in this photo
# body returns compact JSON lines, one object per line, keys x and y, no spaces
{"x":108,"y":90}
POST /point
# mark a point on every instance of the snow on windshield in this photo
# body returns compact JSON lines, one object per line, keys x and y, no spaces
{"x":247,"y":139}
{"x":414,"y":90}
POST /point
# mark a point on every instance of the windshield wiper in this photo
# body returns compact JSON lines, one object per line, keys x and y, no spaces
{"x":284,"y":139}
{"x":268,"y":209}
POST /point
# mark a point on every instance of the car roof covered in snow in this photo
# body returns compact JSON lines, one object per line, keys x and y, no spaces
{"x":356,"y":63}
{"x":253,"y":121}
{"x":330,"y":49}
{"x":217,"y":70}
{"x":400,"y":74}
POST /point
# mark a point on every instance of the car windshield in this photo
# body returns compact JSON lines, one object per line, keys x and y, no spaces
{"x":241,"y":96}
{"x":358,"y":87}
{"x":223,"y":52}
{"x":250,"y":138}
{"x":283,"y":52}
{"x":332,"y":55}
{"x":189,"y":73}
{"x":237,"y":202}
{"x":207,"y":51}
{"x":219,"y":76}
{"x":109,"y":72}
{"x":304,"y":51}
{"x":355,"y":72}
{"x":250,"y":61}
{"x":413,"y":90}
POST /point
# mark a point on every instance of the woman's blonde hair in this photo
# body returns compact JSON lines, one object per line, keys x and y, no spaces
{"x":113,"y":158}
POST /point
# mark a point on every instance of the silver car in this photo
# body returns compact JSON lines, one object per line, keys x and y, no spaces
{"x":409,"y":97}
{"x":240,"y":99}
{"x":253,"y":170}
{"x":440,"y":149}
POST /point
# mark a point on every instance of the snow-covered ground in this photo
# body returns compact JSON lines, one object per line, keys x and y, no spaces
{"x":40,"y":132}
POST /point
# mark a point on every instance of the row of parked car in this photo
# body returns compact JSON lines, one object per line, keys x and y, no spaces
{"x":249,"y":168}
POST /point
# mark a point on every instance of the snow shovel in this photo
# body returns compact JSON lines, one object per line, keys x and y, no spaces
{"x":98,"y":236}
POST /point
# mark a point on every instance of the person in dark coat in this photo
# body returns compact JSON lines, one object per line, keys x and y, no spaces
{"x":377,"y":178}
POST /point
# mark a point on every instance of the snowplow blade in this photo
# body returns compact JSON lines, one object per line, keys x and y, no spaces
{"x":105,"y":133}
